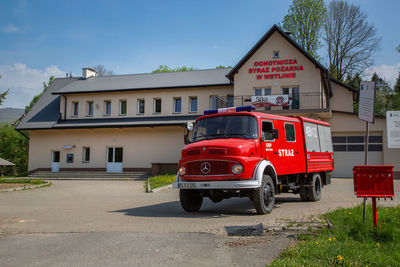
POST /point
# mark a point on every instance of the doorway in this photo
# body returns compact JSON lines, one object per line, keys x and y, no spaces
{"x":55,"y":161}
{"x":114,"y":159}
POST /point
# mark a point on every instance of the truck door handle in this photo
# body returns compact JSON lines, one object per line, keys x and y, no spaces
{"x":275,"y":152}
{"x":297,"y":152}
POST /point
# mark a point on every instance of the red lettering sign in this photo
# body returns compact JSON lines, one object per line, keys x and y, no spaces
{"x":282,"y":69}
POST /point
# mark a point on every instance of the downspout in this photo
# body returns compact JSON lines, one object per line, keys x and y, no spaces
{"x":65,"y":107}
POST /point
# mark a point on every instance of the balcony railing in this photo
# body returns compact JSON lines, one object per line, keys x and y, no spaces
{"x":302,"y":101}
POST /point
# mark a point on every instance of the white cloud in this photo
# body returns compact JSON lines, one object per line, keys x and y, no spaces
{"x":24,"y":82}
{"x":387,"y":72}
{"x":11,"y":29}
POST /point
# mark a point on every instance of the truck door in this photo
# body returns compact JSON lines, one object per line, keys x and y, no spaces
{"x":271,"y":144}
{"x":293,"y":150}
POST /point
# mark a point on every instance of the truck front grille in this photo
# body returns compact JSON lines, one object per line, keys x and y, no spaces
{"x":209,"y":167}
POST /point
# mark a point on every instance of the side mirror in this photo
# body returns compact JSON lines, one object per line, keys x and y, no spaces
{"x":189,"y":126}
{"x":275,"y":133}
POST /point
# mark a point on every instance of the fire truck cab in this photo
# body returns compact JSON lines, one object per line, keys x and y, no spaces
{"x":237,"y":152}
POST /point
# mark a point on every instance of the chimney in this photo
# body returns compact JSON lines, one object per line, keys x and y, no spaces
{"x":88,"y":72}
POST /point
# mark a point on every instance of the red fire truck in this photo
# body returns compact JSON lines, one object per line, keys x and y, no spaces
{"x":237,"y":152}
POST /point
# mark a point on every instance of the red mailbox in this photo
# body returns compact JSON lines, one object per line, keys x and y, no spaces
{"x":373,"y":180}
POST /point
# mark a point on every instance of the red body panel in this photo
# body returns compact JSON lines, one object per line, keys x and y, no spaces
{"x":287,"y":157}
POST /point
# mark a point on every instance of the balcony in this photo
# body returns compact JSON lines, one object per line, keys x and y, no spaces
{"x":304,"y":104}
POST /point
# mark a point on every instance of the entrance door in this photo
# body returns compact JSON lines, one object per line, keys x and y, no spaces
{"x":114,"y":159}
{"x":55,"y":161}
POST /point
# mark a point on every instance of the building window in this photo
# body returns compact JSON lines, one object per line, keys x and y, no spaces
{"x":262,"y":92}
{"x":229,"y":100}
{"x":157,"y":106}
{"x":86,"y":154}
{"x":294,"y":97}
{"x":70,"y":158}
{"x":213,"y":102}
{"x":107,"y":107}
{"x":193,"y":104}
{"x":89,"y":108}
{"x":177,"y":105}
{"x":75,"y":108}
{"x":122,"y":107}
{"x":140,"y":106}
{"x":276,"y":54}
{"x":357,"y":143}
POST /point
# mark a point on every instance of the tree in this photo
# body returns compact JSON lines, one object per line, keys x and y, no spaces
{"x":102,"y":71}
{"x":351,"y":41}
{"x":14,"y":148}
{"x":165,"y":68}
{"x":223,"y":67}
{"x":398,"y":48}
{"x":3,"y":95}
{"x":36,"y":97}
{"x":396,"y":87}
{"x":304,"y":21}
{"x":353,"y":81}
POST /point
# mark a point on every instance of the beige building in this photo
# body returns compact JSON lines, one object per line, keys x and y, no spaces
{"x":125,"y":123}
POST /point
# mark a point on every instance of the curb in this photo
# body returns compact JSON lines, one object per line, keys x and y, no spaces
{"x":155,"y":190}
{"x":27,"y":187}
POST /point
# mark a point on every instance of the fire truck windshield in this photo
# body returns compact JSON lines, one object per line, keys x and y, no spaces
{"x":232,"y":126}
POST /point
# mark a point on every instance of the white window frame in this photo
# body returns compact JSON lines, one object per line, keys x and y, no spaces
{"x":138,"y":106}
{"x":75,"y":109}
{"x":120,"y":107}
{"x":211,"y":101}
{"x":175,"y":106}
{"x":191,"y":106}
{"x":105,"y":107}
{"x":155,"y":105}
{"x":89,"y":107}
{"x":84,"y":159}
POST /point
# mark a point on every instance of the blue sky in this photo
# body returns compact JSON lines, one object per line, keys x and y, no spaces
{"x":43,"y":38}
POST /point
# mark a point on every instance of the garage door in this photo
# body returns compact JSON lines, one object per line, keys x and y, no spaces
{"x":349,"y":151}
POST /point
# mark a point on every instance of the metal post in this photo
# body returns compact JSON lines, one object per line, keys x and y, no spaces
{"x":374,"y":213}
{"x":366,"y":161}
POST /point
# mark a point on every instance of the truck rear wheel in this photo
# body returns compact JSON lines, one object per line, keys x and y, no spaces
{"x":191,"y":200}
{"x":314,"y":192}
{"x":264,"y":196}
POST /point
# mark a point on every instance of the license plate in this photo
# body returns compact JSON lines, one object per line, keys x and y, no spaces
{"x":187,"y":186}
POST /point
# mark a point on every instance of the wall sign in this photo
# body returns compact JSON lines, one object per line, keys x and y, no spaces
{"x":275,"y":69}
{"x":270,"y":101}
{"x":393,"y":128}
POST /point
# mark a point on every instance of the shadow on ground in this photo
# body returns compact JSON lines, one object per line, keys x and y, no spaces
{"x":225,"y":208}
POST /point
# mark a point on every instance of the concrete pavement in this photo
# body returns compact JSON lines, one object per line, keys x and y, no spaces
{"x":92,"y":223}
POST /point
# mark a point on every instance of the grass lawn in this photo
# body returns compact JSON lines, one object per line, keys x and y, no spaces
{"x":161,"y":180}
{"x":21,"y":181}
{"x":349,"y":242}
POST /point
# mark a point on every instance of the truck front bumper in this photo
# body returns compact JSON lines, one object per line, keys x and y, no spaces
{"x":242,"y":184}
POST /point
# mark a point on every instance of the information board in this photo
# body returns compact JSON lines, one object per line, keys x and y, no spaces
{"x":366,"y":104}
{"x":393,"y":128}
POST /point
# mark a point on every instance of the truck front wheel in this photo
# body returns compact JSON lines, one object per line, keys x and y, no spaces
{"x":264,"y":196}
{"x":191,"y":200}
{"x":315,"y":190}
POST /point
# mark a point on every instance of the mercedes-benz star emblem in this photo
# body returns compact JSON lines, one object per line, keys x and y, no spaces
{"x":205,"y":167}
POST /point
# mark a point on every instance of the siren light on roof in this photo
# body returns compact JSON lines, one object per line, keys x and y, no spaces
{"x":229,"y":110}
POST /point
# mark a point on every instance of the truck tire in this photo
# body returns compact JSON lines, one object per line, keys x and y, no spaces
{"x":264,"y":196}
{"x":314,"y":191}
{"x":303,"y":193}
{"x":191,"y":200}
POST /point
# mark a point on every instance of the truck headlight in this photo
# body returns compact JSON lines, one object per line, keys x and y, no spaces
{"x":237,"y":169}
{"x":182,"y":171}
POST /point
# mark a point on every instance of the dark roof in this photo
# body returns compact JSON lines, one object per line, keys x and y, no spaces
{"x":146,"y":81}
{"x":343,"y":84}
{"x":272,"y":30}
{"x":46,"y":111}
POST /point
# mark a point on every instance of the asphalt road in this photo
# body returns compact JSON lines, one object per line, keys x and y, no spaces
{"x":114,"y":223}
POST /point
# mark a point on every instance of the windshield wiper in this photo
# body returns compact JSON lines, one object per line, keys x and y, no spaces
{"x":240,"y":135}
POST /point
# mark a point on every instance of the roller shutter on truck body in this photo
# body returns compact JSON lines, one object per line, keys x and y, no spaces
{"x":318,"y":145}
